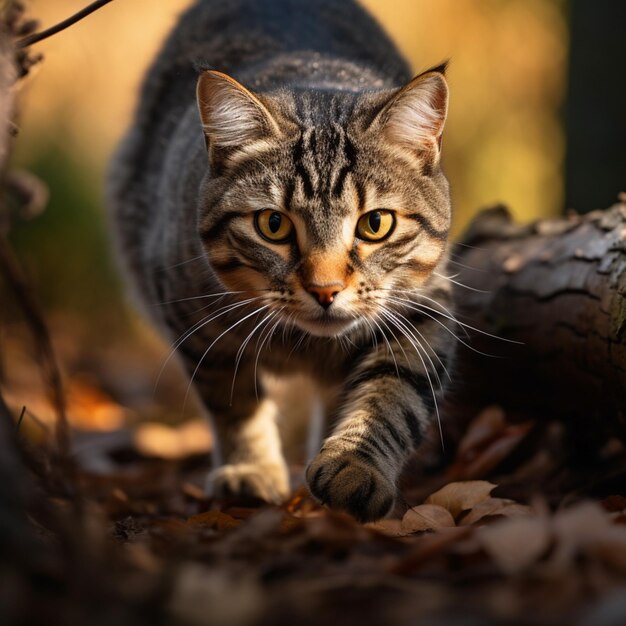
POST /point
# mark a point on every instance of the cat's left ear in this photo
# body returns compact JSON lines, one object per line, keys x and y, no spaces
{"x":415,"y":116}
{"x":232,"y":116}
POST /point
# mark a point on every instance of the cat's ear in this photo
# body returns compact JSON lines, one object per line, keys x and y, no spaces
{"x":415,"y":116}
{"x":232,"y":116}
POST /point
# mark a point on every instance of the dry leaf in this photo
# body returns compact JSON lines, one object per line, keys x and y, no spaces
{"x":497,"y":450}
{"x":193,"y":491}
{"x":484,"y":428}
{"x":214,"y":519}
{"x":88,"y":407}
{"x":487,"y":442}
{"x":204,"y":595}
{"x":579,"y":529}
{"x":515,"y":544}
{"x":461,"y":496}
{"x":426,"y":517}
{"x":494,"y":506}
{"x":389,"y":527}
{"x":430,"y":547}
{"x":162,"y":441}
{"x":614,"y":504}
{"x":91,"y":409}
{"x":611,"y":548}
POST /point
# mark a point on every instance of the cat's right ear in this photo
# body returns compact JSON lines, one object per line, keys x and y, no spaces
{"x":233,"y":118}
{"x":414,"y":118}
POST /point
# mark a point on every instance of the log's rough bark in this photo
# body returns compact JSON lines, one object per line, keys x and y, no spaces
{"x":558,"y":287}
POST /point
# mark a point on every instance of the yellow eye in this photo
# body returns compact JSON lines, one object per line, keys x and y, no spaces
{"x":375,"y":225}
{"x":273,"y":226}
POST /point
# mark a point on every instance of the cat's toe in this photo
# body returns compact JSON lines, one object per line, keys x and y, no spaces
{"x":250,"y":481}
{"x":345,"y":482}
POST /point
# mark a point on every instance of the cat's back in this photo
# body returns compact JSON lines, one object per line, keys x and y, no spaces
{"x":234,"y":36}
{"x":267,"y":44}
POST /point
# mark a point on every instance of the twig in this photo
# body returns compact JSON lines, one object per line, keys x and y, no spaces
{"x":21,"y":418}
{"x":57,"y":28}
{"x":19,"y":285}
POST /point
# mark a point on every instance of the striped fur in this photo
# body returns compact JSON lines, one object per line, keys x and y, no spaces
{"x":327,"y":128}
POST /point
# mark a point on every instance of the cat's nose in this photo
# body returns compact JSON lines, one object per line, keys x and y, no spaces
{"x":325,"y":294}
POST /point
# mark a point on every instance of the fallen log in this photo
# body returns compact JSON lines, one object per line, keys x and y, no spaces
{"x":558,"y":287}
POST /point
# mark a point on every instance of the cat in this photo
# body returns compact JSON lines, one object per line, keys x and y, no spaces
{"x":279,"y":206}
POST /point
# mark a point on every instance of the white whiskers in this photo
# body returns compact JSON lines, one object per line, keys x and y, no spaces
{"x":203,"y":297}
{"x":242,"y":348}
{"x":231,"y":327}
{"x":260,"y":348}
{"x":197,"y":326}
{"x":405,"y":330}
{"x":418,"y":306}
{"x":460,"y":284}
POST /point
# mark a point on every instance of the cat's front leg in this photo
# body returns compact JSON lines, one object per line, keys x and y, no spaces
{"x":248,"y":460}
{"x":252,"y":464}
{"x":386,"y":409}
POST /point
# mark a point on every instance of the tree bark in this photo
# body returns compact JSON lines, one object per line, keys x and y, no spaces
{"x":559,"y":288}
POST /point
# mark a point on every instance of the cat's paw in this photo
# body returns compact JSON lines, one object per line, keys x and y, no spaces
{"x":346,"y":482}
{"x":268,"y":482}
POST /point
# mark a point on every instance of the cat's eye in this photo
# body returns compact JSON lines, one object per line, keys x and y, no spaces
{"x":375,"y":225}
{"x":273,"y":225}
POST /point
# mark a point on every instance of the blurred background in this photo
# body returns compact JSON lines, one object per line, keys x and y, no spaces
{"x":505,"y":139}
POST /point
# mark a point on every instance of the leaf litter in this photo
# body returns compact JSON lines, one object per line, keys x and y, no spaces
{"x":498,"y":534}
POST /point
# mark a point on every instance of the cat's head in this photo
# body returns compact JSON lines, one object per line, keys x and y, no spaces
{"x":324,"y":203}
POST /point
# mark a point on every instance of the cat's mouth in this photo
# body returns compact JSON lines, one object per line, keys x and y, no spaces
{"x":326,"y":325}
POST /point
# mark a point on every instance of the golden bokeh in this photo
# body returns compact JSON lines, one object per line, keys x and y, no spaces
{"x":504,"y":140}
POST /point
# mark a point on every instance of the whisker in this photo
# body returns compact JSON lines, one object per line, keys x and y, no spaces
{"x":411,"y":304}
{"x":467,"y":245}
{"x":428,"y":378}
{"x":303,"y":336}
{"x":443,"y":367}
{"x":413,"y":341}
{"x":451,"y":317}
{"x":467,"y":267}
{"x":242,"y":349}
{"x":366,"y":319}
{"x":209,"y":295}
{"x":384,"y":336}
{"x":460,"y":284}
{"x":171,"y":267}
{"x":422,"y":295}
{"x":287,"y":326}
{"x":197,"y":326}
{"x":414,"y":329}
{"x":452,"y":333}
{"x":231,"y":327}
{"x":410,"y":328}
{"x":258,"y":354}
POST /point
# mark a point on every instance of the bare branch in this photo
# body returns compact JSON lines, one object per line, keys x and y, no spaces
{"x":53,"y":30}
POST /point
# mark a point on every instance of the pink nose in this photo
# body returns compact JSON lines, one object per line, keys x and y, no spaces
{"x":325,"y":294}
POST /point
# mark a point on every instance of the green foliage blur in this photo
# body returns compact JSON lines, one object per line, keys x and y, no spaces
{"x":66,"y":249}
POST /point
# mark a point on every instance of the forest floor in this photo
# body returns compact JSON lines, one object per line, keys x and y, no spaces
{"x":510,"y":526}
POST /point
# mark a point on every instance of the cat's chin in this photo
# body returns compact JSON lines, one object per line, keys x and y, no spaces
{"x":327,"y":326}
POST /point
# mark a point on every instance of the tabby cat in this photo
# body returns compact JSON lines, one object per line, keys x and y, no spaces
{"x":279,"y":206}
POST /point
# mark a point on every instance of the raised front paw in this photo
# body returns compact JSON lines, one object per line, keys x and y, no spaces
{"x":342,"y":480}
{"x":268,"y":482}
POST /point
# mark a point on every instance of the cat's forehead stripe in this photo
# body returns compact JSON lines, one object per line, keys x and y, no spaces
{"x":322,"y":160}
